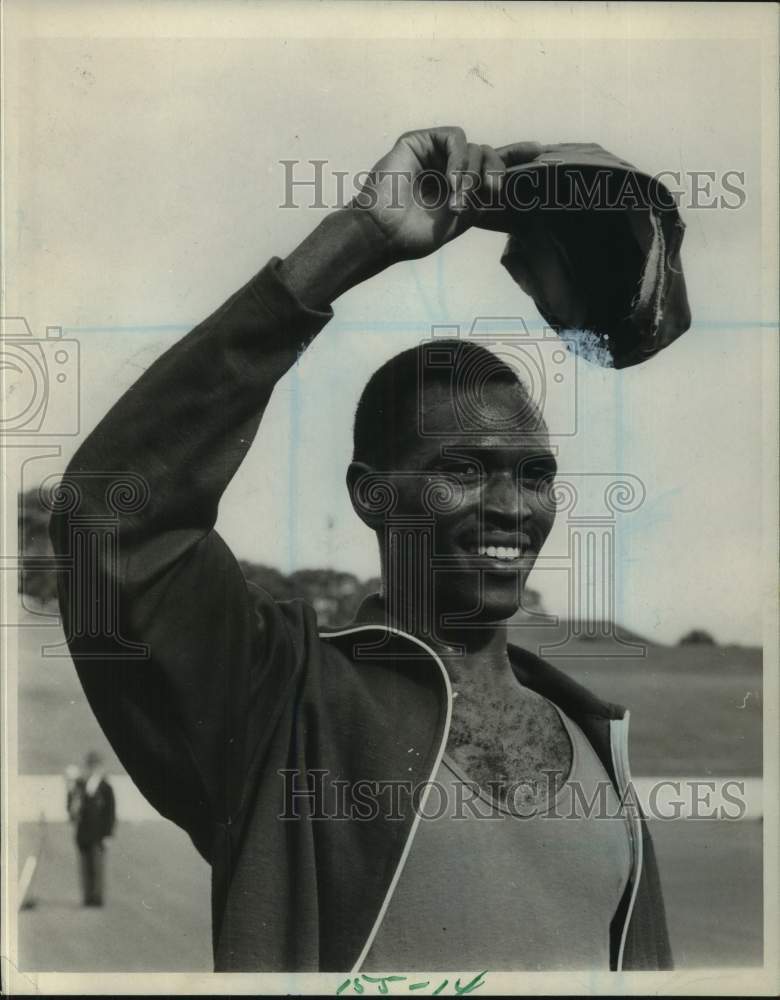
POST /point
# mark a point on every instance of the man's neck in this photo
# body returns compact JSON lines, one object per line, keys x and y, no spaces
{"x":473,"y":654}
{"x":476,"y":656}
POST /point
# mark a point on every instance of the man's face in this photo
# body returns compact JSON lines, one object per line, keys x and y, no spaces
{"x":488,"y":495}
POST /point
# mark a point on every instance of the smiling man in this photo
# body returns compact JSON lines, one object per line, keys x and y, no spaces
{"x":244,"y":724}
{"x":466,"y":481}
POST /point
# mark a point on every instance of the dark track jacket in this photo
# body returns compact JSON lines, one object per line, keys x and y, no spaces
{"x":209,"y":692}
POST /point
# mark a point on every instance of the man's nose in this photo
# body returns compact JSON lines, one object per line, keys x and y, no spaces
{"x":503,"y":496}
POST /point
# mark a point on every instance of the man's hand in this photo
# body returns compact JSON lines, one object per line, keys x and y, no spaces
{"x":428,"y":189}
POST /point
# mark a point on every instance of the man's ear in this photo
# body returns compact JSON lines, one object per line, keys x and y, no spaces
{"x":361,"y":502}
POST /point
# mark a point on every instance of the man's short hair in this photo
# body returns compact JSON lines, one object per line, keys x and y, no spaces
{"x":389,"y":409}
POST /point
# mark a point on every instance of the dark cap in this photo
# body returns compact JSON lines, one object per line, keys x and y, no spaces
{"x":596,"y":243}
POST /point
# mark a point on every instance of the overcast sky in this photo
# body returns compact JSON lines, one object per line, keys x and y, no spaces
{"x":145,"y":184}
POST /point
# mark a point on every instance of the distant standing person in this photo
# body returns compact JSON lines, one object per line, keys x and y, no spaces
{"x":92,"y":810}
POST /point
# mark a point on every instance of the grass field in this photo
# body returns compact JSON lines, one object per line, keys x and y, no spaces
{"x":157,"y":912}
{"x":694,"y":710}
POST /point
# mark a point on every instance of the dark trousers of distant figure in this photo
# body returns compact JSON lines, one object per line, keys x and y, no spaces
{"x":92,"y":873}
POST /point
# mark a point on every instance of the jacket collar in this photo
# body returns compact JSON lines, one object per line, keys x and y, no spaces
{"x":531,"y":671}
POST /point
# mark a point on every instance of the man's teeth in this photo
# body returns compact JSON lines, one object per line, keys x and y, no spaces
{"x":498,"y":552}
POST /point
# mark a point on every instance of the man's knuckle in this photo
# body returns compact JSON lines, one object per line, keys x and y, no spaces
{"x":411,"y":133}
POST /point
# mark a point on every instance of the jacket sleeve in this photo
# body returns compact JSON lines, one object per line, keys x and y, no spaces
{"x":177,"y":659}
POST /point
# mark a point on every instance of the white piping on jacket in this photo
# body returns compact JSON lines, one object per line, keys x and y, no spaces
{"x":618,"y":740}
{"x":419,"y":812}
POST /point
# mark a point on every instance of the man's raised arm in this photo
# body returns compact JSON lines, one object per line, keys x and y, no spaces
{"x":160,"y":577}
{"x":155,"y":469}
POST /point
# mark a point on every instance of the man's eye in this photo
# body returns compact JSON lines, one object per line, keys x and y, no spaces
{"x":462,"y":468}
{"x":537,"y":472}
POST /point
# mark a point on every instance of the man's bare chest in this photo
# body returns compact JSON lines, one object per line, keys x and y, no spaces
{"x":513,"y":745}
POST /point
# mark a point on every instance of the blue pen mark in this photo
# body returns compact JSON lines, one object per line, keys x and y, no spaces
{"x":141,"y":328}
{"x":377,"y":325}
{"x":649,"y":514}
